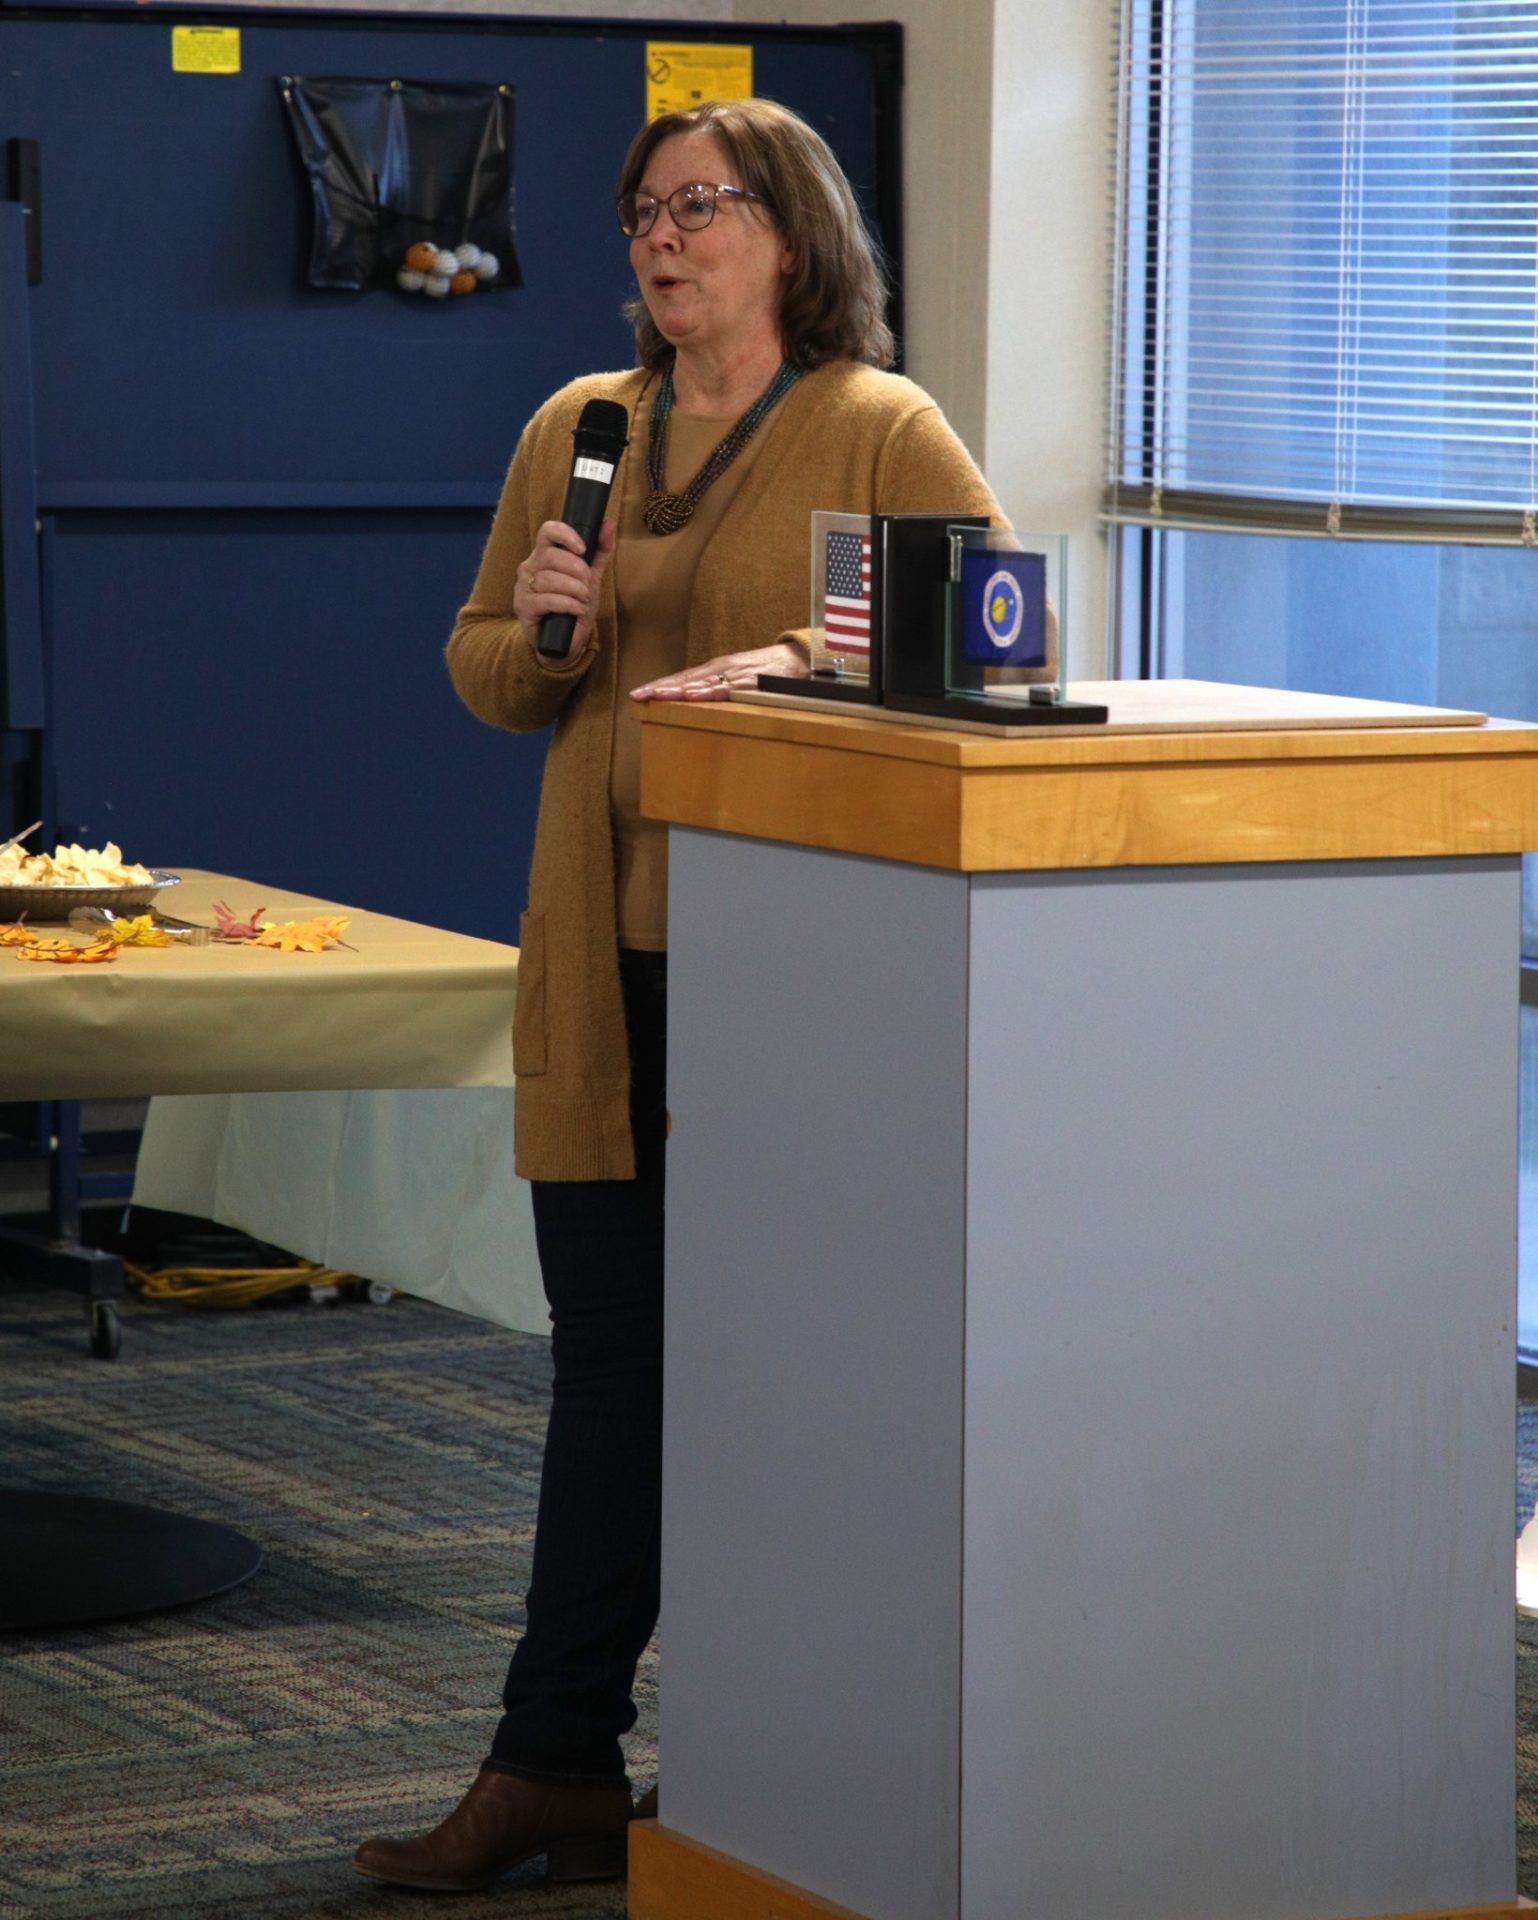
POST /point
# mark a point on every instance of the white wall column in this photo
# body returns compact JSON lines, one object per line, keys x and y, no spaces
{"x":947,"y":113}
{"x":1007,"y":148}
{"x":1049,"y":239}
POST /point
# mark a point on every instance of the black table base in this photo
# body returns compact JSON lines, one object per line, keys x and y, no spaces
{"x":66,"y":1560}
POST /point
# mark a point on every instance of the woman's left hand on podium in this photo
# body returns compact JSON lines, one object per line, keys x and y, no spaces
{"x":717,"y":679}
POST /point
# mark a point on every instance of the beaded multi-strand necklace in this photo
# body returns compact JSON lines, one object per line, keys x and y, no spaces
{"x":666,"y":512}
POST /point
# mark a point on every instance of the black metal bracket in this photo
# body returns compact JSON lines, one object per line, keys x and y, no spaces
{"x":24,"y":184}
{"x":54,"y":1253}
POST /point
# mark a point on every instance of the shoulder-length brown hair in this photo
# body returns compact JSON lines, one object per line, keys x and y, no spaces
{"x":834,"y":302}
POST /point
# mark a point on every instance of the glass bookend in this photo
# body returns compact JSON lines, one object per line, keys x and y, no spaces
{"x":844,"y":665}
{"x":841,"y":595}
{"x":1005,"y":606}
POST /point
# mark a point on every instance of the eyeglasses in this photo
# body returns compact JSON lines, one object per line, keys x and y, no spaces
{"x":692,"y":207}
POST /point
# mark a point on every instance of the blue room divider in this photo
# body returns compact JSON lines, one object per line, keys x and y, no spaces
{"x":236,"y":514}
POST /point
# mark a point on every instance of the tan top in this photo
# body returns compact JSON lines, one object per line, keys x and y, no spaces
{"x":400,"y":1005}
{"x":653,"y":579}
{"x":845,"y":438}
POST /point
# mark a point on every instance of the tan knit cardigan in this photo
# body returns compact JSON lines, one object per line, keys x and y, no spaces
{"x":845,"y":438}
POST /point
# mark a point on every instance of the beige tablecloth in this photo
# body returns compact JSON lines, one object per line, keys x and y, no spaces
{"x":354,"y":1107}
{"x":410,"y":1006}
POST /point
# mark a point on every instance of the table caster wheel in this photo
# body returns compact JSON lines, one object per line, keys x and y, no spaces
{"x":106,"y":1329}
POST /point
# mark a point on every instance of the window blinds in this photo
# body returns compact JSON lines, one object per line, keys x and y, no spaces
{"x":1326,"y":268}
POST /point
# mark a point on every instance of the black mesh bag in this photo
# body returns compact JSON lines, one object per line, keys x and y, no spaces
{"x":393,"y":162}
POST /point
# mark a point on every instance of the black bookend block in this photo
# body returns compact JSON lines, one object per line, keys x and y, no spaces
{"x":910,"y":564}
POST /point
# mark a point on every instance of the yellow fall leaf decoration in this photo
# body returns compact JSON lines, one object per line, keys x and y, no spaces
{"x":141,"y":931}
{"x":16,"y":935}
{"x":304,"y":936}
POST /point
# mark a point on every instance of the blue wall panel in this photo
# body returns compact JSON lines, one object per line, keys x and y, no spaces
{"x":174,"y":337}
{"x":264,"y":503}
{"x":267,"y":697}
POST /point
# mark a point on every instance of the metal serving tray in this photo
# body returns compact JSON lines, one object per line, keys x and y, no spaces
{"x":43,"y":905}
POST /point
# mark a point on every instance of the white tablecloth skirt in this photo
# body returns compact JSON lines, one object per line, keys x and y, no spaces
{"x":415,"y":1188}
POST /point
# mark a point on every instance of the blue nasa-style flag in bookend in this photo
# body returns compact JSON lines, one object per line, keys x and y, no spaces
{"x":1003,"y":608}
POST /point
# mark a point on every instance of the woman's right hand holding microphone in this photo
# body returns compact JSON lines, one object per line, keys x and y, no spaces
{"x":556,"y":578}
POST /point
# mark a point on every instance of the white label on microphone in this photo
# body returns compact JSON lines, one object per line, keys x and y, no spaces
{"x":599,"y":470}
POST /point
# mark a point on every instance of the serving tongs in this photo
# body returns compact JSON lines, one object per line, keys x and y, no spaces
{"x":17,"y":838}
{"x":191,"y":933}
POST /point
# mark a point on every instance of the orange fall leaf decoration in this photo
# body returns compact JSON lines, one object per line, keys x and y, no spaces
{"x":66,"y":953}
{"x":305,"y":936}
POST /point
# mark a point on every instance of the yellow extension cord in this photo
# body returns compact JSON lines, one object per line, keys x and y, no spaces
{"x":230,"y":1286}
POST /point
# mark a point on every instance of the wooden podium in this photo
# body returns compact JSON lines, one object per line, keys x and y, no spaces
{"x":1091,"y":1315}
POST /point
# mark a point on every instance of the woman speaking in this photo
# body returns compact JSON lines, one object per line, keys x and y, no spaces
{"x":758,"y":398}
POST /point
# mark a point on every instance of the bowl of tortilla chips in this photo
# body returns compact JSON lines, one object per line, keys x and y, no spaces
{"x":48,"y":886}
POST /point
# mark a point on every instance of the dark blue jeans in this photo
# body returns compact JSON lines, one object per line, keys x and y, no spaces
{"x":594,"y":1590}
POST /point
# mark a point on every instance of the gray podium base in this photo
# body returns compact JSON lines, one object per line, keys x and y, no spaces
{"x":1090,"y":1383}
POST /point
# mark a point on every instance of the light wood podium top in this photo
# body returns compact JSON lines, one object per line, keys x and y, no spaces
{"x":1187,"y":772}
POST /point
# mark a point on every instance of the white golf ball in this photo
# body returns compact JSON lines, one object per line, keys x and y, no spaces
{"x":437,"y":286}
{"x":446,"y":264}
{"x":410,"y":281}
{"x":487,"y":266}
{"x":468,"y":256}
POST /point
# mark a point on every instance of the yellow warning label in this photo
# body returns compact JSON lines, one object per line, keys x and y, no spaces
{"x":682,"y":74}
{"x":205,"y":49}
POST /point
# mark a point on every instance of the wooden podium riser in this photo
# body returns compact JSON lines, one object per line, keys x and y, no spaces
{"x":992,"y":819}
{"x":674,"y":1878}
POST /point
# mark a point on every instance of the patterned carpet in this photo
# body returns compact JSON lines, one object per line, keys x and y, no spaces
{"x":222,"y":1761}
{"x":225,"y":1759}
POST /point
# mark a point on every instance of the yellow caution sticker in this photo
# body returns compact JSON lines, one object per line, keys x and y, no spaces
{"x":682,"y":74}
{"x":205,"y":49}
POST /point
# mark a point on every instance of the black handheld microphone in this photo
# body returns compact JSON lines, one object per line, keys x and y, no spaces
{"x":599,"y":437}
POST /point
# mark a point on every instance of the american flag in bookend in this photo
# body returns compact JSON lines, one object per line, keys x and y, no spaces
{"x":846,"y":601}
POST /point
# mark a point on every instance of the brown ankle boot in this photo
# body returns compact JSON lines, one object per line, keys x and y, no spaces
{"x":501,"y":1822}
